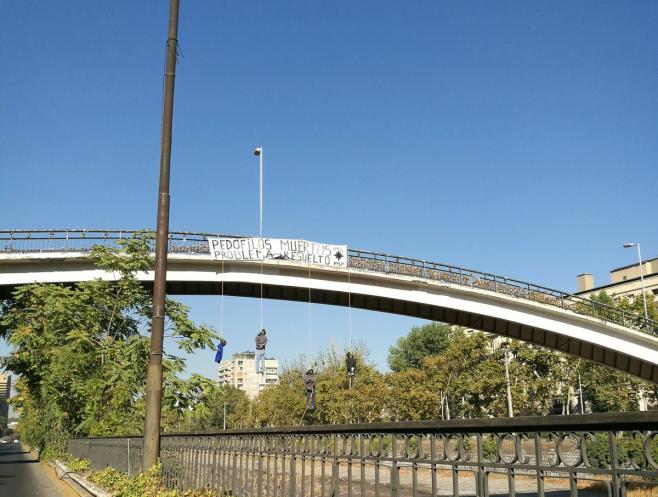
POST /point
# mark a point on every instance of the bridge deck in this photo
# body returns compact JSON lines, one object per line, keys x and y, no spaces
{"x":372,"y":281}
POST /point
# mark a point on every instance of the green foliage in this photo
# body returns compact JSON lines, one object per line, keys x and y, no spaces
{"x":421,"y":342}
{"x":605,"y":307}
{"x":410,"y":396}
{"x":467,"y":374}
{"x":490,"y":448}
{"x":149,"y":484}
{"x":75,"y":464}
{"x":81,"y":351}
{"x":284,"y":404}
{"x":197,"y":404}
{"x":109,"y":478}
{"x":629,"y":449}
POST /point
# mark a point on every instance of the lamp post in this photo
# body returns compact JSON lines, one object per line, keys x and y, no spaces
{"x":639,"y":257}
{"x":259,"y":153}
{"x":580,"y":395}
{"x":508,"y":386}
{"x":153,"y":401}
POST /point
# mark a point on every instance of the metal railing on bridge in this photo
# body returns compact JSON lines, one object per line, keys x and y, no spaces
{"x":75,"y":240}
{"x":533,"y":455}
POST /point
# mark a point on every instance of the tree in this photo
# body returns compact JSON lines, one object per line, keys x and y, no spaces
{"x":81,"y":351}
{"x":422,"y":341}
{"x":465,"y":374}
{"x":197,"y":404}
{"x":412,"y":396}
{"x":606,"y":389}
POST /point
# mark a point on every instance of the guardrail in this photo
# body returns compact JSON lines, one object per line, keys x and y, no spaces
{"x":610,"y":452}
{"x":74,"y":240}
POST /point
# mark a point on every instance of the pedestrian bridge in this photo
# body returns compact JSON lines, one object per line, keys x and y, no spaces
{"x":372,"y":281}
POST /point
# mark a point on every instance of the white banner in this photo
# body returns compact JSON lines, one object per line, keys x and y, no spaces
{"x":255,"y":249}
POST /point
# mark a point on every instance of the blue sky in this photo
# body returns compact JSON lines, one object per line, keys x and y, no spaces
{"x":515,"y":137}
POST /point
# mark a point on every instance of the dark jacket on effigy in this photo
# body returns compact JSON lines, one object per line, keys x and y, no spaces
{"x":309,"y":381}
{"x":261,"y":341}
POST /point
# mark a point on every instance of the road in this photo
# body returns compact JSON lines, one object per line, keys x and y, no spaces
{"x":21,"y":475}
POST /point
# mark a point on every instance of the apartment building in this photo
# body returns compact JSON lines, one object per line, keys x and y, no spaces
{"x":625,"y":281}
{"x":5,"y":392}
{"x":240,"y":371}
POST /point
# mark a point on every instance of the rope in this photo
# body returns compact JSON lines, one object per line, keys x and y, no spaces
{"x":349,"y":304}
{"x":261,"y":292}
{"x":221,"y":306}
{"x":301,"y":420}
{"x":310,"y":320}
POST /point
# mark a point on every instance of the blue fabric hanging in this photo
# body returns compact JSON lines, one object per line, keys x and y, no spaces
{"x":220,"y":353}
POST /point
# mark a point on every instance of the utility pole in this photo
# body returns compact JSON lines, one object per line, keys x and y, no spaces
{"x":154,"y":376}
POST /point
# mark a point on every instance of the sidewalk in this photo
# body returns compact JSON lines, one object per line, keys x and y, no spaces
{"x":21,"y":475}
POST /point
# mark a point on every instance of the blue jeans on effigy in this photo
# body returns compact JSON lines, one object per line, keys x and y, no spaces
{"x":260,"y":360}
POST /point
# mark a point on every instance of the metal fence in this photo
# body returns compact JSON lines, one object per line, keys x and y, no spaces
{"x":74,"y":240}
{"x":605,"y":454}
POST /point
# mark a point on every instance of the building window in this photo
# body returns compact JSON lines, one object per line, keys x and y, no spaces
{"x":655,"y":291}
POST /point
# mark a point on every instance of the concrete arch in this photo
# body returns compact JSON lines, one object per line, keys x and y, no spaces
{"x":628,"y":350}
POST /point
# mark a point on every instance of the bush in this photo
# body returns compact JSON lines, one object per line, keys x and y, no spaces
{"x":490,"y":449}
{"x":629,"y":448}
{"x":597,"y":450}
{"x":75,"y":464}
{"x":149,"y":484}
{"x":109,"y":478}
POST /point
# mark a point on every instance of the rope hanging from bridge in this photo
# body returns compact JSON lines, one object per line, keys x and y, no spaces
{"x":221,"y":306}
{"x":349,"y":309}
{"x":310,"y":321}
{"x":261,"y":293}
{"x":350,"y":364}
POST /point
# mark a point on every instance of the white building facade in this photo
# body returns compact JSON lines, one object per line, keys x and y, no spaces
{"x":5,"y":393}
{"x":240,"y":372}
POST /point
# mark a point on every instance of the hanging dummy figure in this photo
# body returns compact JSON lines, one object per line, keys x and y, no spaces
{"x":220,"y":350}
{"x":309,"y":385}
{"x":261,"y":342}
{"x":350,"y":364}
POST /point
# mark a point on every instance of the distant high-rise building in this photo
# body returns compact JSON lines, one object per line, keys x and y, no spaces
{"x":240,"y":372}
{"x":5,"y":392}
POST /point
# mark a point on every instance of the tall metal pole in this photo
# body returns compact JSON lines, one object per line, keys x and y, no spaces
{"x":580,"y":395}
{"x":644,"y":295}
{"x":510,"y":411}
{"x":154,"y":376}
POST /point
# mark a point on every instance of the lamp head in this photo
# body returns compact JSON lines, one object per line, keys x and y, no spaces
{"x":258,"y":151}
{"x":629,"y":245}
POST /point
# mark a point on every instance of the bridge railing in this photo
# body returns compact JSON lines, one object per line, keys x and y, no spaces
{"x":532,"y":455}
{"x":74,"y":240}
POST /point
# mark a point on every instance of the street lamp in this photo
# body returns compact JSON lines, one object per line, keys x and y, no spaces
{"x":258,"y":152}
{"x":639,"y":257}
{"x":505,"y":346}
